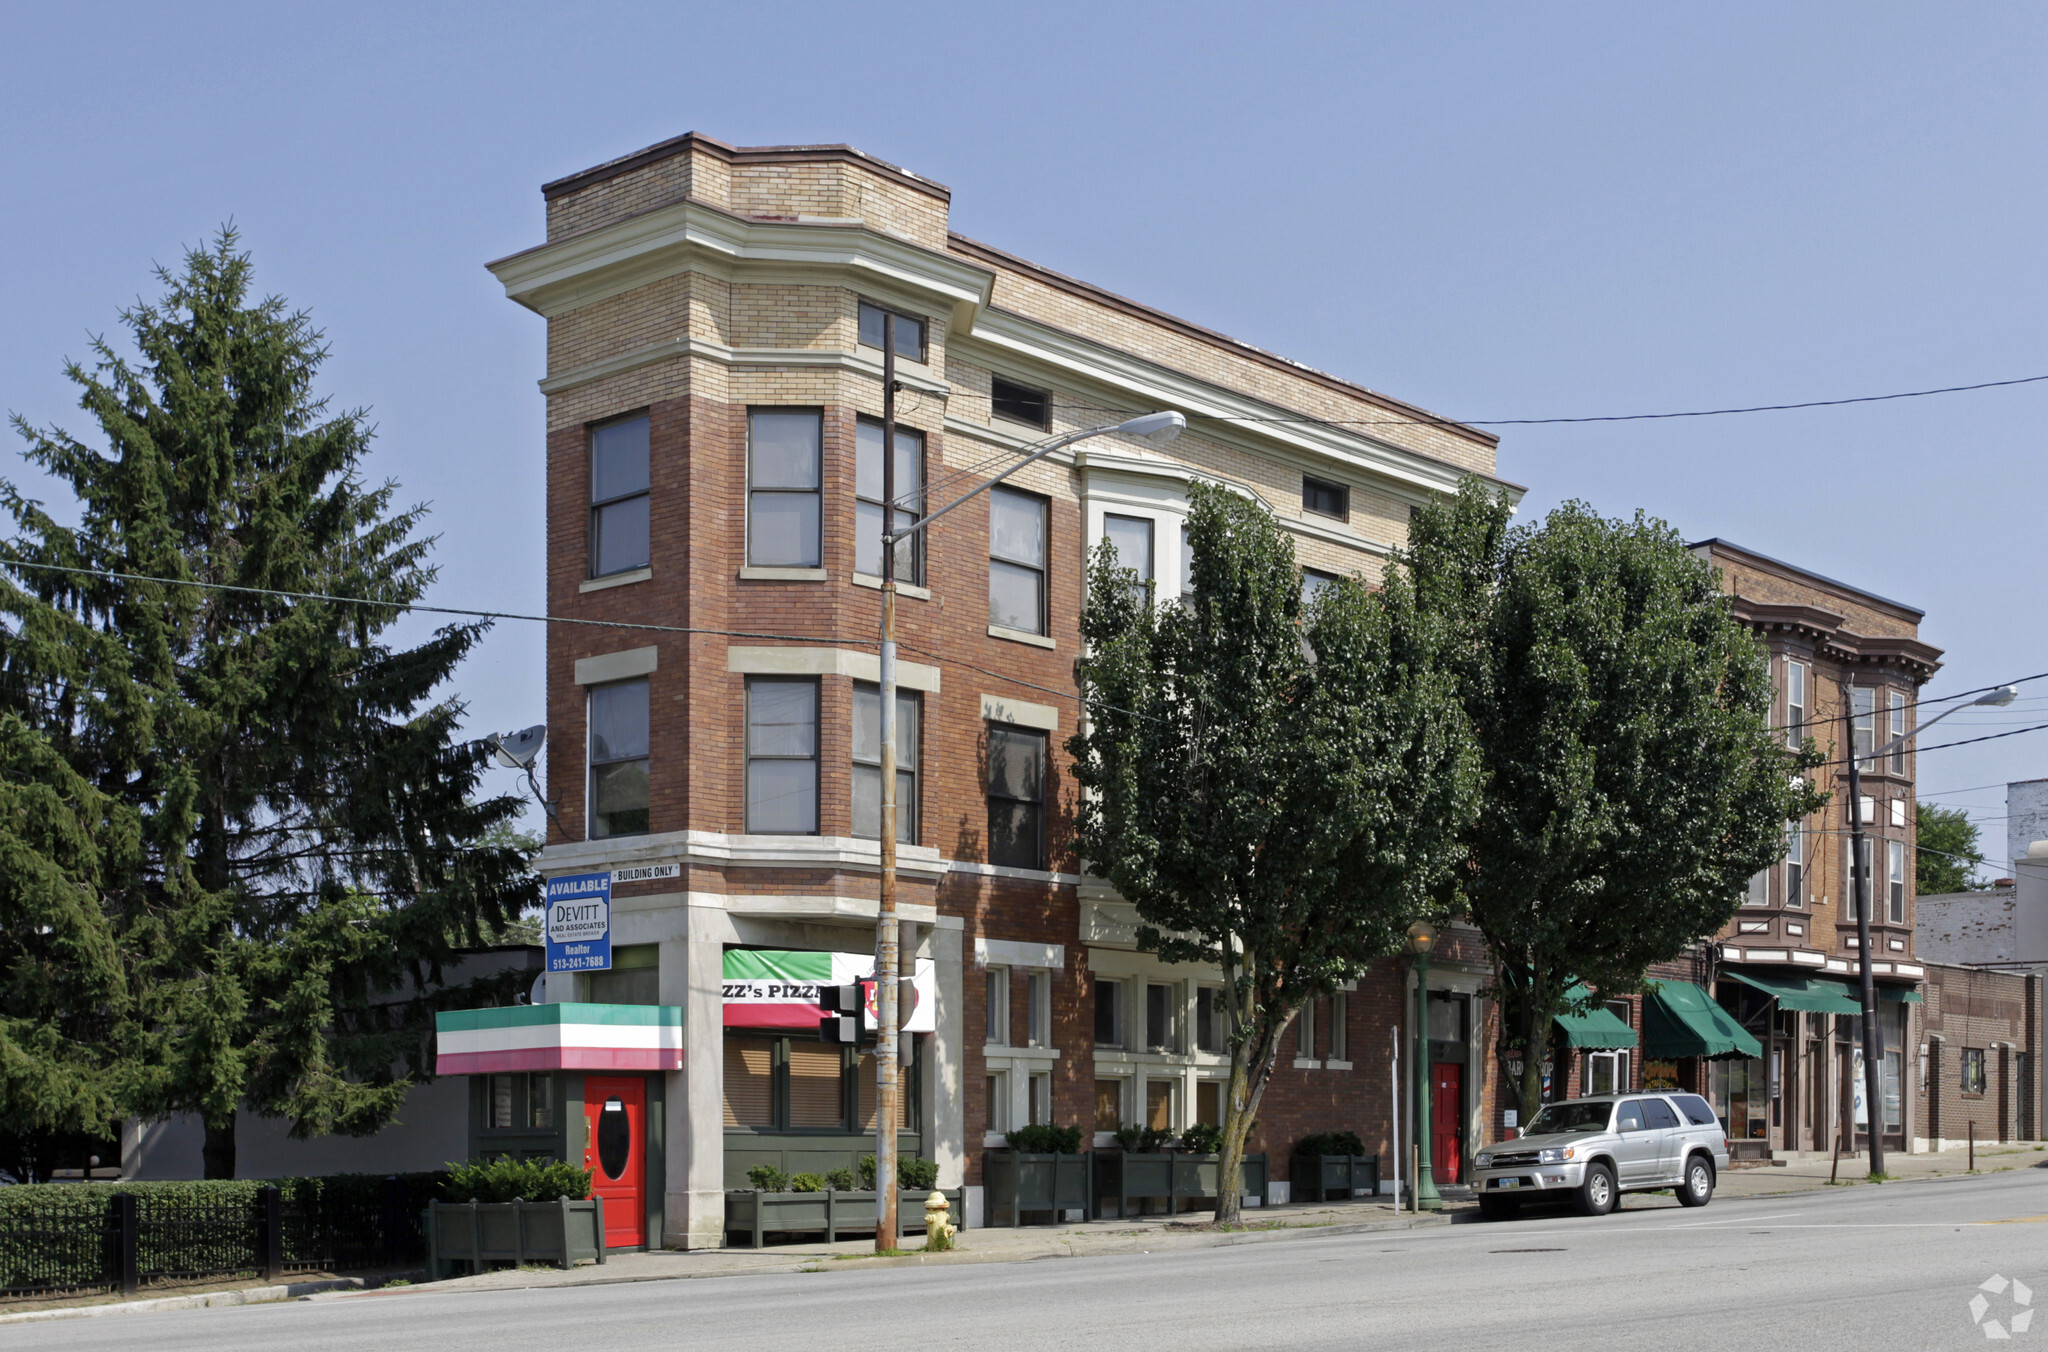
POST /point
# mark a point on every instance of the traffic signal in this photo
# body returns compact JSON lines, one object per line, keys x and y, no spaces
{"x":846,"y":1014}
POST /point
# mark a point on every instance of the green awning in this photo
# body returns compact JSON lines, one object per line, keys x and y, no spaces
{"x":1809,"y":994}
{"x":1598,"y":1029}
{"x":1899,"y":995}
{"x":1680,"y":1019}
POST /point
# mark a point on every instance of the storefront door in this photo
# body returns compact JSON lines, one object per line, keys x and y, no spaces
{"x":1447,"y":1123}
{"x":615,"y":1118}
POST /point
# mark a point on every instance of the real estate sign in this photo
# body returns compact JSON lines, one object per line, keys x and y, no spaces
{"x":579,"y":922}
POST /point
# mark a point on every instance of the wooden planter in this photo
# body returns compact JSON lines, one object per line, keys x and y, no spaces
{"x":479,"y":1233}
{"x":1334,"y":1178}
{"x":1018,"y":1182}
{"x":1174,"y":1175}
{"x":755,"y":1214}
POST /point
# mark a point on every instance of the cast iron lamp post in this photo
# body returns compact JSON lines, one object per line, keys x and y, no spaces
{"x":1421,"y":942}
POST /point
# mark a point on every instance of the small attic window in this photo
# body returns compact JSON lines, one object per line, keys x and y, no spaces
{"x":1020,"y":403}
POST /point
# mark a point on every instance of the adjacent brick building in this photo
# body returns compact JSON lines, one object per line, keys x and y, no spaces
{"x":713,"y":387}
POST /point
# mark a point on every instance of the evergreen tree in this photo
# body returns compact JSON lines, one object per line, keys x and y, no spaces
{"x":1277,"y":787}
{"x":308,"y":830}
{"x":1632,"y":783}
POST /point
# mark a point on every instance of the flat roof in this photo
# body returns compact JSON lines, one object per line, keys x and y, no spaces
{"x":1716,"y":542}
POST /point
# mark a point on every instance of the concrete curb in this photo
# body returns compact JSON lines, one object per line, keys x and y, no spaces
{"x":253,"y":1295}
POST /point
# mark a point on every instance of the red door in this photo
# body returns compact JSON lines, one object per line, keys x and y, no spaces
{"x":1447,"y":1122}
{"x":614,"y":1150}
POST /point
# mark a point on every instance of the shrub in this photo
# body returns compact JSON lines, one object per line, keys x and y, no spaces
{"x":807,"y":1183}
{"x":840,"y":1180}
{"x":917,"y":1172}
{"x":1143,"y":1140}
{"x":510,"y":1180}
{"x":1042,"y":1139}
{"x":1203,"y":1138}
{"x":1331,"y":1143}
{"x":768,"y":1178}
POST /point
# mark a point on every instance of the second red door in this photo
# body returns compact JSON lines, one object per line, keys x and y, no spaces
{"x":1446,"y":1122}
{"x":615,"y":1119}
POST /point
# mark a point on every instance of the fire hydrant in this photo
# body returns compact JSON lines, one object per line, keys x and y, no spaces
{"x":938,"y":1230}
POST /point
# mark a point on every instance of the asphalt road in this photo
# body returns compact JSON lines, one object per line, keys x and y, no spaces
{"x":1891,"y":1267}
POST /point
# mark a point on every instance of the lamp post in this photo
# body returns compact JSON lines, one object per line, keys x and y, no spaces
{"x":1859,"y":881}
{"x":1421,"y":942}
{"x":890,"y":951}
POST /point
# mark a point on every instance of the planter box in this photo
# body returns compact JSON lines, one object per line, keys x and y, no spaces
{"x":1333,"y":1178}
{"x":1174,"y":1175}
{"x":1017,"y":1183}
{"x":756,"y":1213}
{"x":516,"y":1232}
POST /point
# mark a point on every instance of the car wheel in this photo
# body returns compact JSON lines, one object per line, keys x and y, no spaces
{"x":1497,"y":1208}
{"x":1698,"y":1187}
{"x":1596,"y":1194}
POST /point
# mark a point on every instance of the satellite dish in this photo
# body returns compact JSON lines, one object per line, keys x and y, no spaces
{"x":516,"y":750}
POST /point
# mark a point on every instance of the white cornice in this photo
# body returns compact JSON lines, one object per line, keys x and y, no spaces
{"x":669,"y":349}
{"x":690,"y":236}
{"x":739,"y":851}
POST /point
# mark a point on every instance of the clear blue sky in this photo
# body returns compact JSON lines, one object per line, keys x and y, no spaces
{"x":1495,"y":210}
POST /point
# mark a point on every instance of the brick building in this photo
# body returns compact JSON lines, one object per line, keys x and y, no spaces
{"x":1980,"y":1056}
{"x":713,"y":393}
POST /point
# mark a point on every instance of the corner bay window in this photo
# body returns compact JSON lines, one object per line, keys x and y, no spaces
{"x":618,"y":759}
{"x":1895,"y":888}
{"x":1896,"y":700}
{"x":618,"y":497}
{"x":909,"y":331}
{"x":783,"y":478}
{"x":782,"y":756}
{"x":1795,"y":703}
{"x":1851,"y":910}
{"x":1863,"y":725}
{"x":868,"y":502}
{"x":1016,"y":560}
{"x":867,"y":763}
{"x":1131,"y":537}
{"x":1016,"y":797}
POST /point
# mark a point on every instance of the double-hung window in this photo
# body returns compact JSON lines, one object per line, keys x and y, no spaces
{"x":1895,"y":881}
{"x":1016,"y":560}
{"x":1314,"y":582}
{"x":782,"y":756}
{"x":909,"y":330}
{"x":1016,"y":797}
{"x":618,"y":759}
{"x":1161,"y":1008}
{"x":784,"y":460}
{"x":1109,"y":1012}
{"x":1208,"y":1019}
{"x":867,"y":763}
{"x":1863,"y":728}
{"x":1795,"y":864}
{"x":1896,"y":699}
{"x":1131,"y":537}
{"x":618,"y":497}
{"x":1851,"y":911}
{"x":1038,"y":1008}
{"x":996,"y":1005}
{"x":1325,"y":498}
{"x":1340,"y":1011}
{"x":868,"y":506}
{"x":1795,"y":703}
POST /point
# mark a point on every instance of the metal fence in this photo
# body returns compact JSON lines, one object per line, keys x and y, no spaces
{"x":128,"y":1240}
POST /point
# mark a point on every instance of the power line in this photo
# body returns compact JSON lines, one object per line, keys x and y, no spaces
{"x":1939,"y":746}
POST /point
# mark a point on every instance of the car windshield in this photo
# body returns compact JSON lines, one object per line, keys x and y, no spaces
{"x":1558,"y":1118}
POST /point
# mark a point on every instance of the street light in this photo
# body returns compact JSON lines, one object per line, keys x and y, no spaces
{"x":1421,"y":943}
{"x":890,"y":952}
{"x":1859,"y":881}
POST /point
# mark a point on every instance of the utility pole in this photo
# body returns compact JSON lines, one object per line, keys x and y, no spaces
{"x":888,"y":1072}
{"x":1859,"y":883}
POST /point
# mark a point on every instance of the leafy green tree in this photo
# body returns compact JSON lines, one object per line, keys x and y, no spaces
{"x":1948,"y":854}
{"x":308,"y":822}
{"x":1632,"y":784}
{"x":1278,"y":788}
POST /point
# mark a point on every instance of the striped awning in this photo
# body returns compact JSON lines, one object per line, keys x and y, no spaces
{"x":558,"y":1037}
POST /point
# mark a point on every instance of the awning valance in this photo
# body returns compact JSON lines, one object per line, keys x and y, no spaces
{"x":558,"y":1037}
{"x":1597,"y":1029}
{"x":778,"y":988}
{"x":1899,"y":995}
{"x":1680,"y":1019}
{"x":1808,"y":994}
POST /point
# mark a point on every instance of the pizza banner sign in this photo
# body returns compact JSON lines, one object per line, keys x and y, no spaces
{"x":778,"y":988}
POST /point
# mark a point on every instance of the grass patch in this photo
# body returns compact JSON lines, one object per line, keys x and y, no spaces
{"x":876,"y":1253}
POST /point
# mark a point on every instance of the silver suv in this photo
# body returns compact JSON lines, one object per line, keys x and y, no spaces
{"x":1595,"y":1149}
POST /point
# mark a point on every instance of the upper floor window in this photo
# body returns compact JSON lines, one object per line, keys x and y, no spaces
{"x":1209,"y":1034}
{"x":1795,"y":864}
{"x":618,"y":496}
{"x":618,"y":759}
{"x":783,"y":477}
{"x":1325,"y":498}
{"x":1162,"y":1010}
{"x":867,"y":763}
{"x":996,"y":1005}
{"x":1109,"y":1012}
{"x":1020,"y":403}
{"x":1862,"y":858}
{"x":1896,"y":733}
{"x":1131,"y":536}
{"x":1038,"y":1008}
{"x":909,"y":330}
{"x":782,"y":756}
{"x":1895,"y":881}
{"x":1795,"y":703}
{"x":1314,"y":582}
{"x":1016,"y":797}
{"x":868,"y":502}
{"x":1016,"y":560}
{"x":1863,"y":727}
